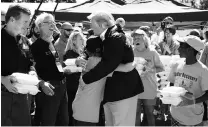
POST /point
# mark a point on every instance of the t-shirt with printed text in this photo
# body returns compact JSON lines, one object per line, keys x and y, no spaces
{"x":194,"y":79}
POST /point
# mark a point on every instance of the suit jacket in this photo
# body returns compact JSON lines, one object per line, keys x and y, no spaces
{"x":116,"y":50}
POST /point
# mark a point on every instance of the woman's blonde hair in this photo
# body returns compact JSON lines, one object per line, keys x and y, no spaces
{"x":146,"y":41}
{"x":71,"y":44}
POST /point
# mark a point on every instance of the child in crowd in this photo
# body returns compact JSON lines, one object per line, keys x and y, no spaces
{"x":192,"y":75}
{"x":153,"y":65}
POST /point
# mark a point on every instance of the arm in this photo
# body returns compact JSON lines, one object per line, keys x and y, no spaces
{"x":203,"y":98}
{"x":204,"y":55}
{"x":112,"y":56}
{"x":171,"y":76}
{"x":158,"y":64}
{"x":204,"y":86}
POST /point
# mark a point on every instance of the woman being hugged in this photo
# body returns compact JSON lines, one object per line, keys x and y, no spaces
{"x":74,"y":49}
{"x":152,"y":65}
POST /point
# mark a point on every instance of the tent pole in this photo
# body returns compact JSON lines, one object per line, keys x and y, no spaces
{"x":55,"y":7}
{"x":36,"y":12}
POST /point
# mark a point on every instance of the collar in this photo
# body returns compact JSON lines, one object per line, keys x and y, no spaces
{"x":63,"y":40}
{"x":102,"y":35}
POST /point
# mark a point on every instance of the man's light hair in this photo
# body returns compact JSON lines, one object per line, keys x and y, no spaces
{"x":103,"y":16}
{"x":41,"y":17}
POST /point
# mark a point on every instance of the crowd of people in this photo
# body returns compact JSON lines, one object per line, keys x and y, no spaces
{"x":104,"y":78}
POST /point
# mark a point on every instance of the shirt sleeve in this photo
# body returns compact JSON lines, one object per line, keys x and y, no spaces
{"x":112,"y":57}
{"x":204,"y":81}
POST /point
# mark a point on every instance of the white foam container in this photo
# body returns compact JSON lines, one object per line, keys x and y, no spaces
{"x":171,"y":100}
{"x":173,"y":91}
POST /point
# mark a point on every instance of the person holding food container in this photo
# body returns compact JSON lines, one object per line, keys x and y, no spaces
{"x":191,"y":75}
{"x":16,"y":59}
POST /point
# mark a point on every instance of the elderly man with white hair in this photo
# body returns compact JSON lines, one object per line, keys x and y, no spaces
{"x":49,"y":109}
{"x":122,"y":88}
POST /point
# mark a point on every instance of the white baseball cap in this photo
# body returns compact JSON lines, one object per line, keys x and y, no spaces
{"x":138,"y":32}
{"x":193,"y":41}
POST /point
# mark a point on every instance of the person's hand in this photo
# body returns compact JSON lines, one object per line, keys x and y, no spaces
{"x":81,"y":62}
{"x":47,"y":88}
{"x":6,"y":81}
{"x":166,"y":47}
{"x":187,"y":99}
{"x":67,"y":70}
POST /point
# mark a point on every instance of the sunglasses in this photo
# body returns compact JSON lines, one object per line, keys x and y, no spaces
{"x":69,"y":30}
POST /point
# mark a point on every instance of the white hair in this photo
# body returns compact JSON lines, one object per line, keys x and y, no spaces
{"x":41,"y":17}
{"x":102,"y":16}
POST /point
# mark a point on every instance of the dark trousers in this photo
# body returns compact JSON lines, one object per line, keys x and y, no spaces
{"x":52,"y":110}
{"x":71,"y":96}
{"x":101,"y":115}
{"x":205,"y":112}
{"x":14,"y":109}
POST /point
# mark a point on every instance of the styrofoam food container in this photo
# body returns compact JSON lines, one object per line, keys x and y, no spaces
{"x":173,"y":91}
{"x":171,"y":100}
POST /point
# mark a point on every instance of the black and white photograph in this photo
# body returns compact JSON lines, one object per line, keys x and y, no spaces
{"x":104,"y":63}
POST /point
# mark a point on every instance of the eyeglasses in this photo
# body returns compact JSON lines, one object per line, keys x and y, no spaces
{"x":49,"y":22}
{"x":69,"y":30}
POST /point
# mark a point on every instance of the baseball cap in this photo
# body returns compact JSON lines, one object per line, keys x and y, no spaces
{"x":94,"y":44}
{"x":138,"y":32}
{"x":67,"y":25}
{"x":193,"y":41}
{"x":195,"y":32}
{"x":145,"y":28}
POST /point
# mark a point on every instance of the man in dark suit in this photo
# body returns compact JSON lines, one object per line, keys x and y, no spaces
{"x":122,"y":88}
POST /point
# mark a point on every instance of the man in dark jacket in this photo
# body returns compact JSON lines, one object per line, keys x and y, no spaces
{"x":122,"y":88}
